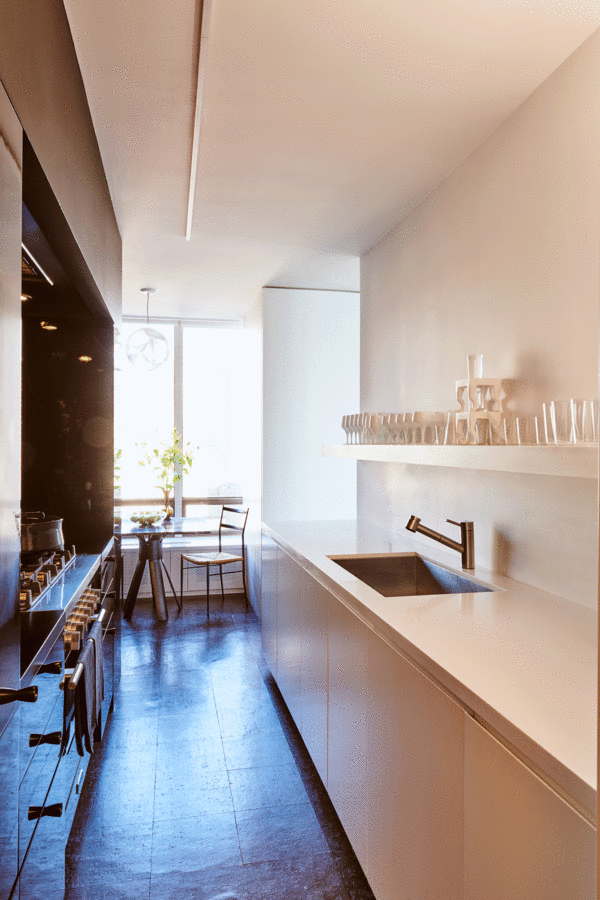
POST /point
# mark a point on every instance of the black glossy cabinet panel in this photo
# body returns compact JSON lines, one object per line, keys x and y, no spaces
{"x":11,"y":140}
{"x":67,"y":466}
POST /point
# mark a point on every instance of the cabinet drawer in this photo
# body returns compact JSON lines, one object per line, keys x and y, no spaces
{"x":45,"y":715}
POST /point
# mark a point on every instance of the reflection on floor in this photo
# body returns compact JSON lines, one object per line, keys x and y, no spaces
{"x":203,"y":788}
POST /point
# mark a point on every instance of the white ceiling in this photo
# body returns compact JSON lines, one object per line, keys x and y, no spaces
{"x":322,"y":123}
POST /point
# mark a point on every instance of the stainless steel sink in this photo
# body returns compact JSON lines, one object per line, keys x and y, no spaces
{"x":406,"y":575}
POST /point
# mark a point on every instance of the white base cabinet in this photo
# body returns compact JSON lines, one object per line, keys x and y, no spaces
{"x":433,"y":805}
{"x":270,"y":552}
{"x":522,"y":840}
{"x":315,"y":661}
{"x":289,"y":633}
{"x":347,"y":718}
{"x":414,"y":789}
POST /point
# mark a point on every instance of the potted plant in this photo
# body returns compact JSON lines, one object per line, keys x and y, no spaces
{"x":117,"y":484}
{"x":170,"y":461}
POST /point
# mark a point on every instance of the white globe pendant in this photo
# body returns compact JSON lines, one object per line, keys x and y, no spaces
{"x":147,"y":348}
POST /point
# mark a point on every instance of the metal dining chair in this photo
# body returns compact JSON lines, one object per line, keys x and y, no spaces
{"x":231,"y":520}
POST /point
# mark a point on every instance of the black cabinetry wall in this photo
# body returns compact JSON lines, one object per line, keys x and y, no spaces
{"x":67,"y":423}
{"x":10,"y":453}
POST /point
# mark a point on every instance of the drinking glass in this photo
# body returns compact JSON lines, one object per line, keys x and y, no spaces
{"x":363,"y":428}
{"x":375,"y":427}
{"x":509,"y":431}
{"x":408,"y":428}
{"x":450,"y":430}
{"x":346,"y":428}
{"x":394,"y":426}
{"x":548,"y":426}
{"x":385,"y":436}
{"x":591,"y":428}
{"x":483,"y":431}
{"x":527,"y":429}
{"x":562,"y":421}
{"x":579,"y":414}
{"x":475,"y":366}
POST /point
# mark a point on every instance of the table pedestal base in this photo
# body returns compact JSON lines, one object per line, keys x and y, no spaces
{"x":150,"y":552}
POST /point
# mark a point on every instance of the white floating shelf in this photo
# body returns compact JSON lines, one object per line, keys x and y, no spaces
{"x":580,"y":461}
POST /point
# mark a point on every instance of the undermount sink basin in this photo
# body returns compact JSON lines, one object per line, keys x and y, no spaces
{"x":406,"y":575}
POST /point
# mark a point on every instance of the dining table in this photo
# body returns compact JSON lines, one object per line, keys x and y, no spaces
{"x":150,"y":539}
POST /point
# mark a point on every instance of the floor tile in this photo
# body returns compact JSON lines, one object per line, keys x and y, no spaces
{"x":315,"y":878}
{"x":248,"y":692}
{"x":111,"y":887}
{"x":188,"y":845}
{"x":186,"y":726}
{"x":252,"y":750}
{"x":191,"y":760}
{"x":279,"y":832}
{"x":179,"y":800}
{"x":130,"y":734}
{"x":240,"y":721}
{"x":126,"y":853}
{"x":266,"y":786}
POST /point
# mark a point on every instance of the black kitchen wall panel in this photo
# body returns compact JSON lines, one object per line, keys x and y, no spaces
{"x":10,"y":461}
{"x":67,"y":466}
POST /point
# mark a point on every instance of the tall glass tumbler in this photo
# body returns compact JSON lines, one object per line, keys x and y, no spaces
{"x":561,"y":412}
{"x":474,"y":365}
{"x":579,"y":415}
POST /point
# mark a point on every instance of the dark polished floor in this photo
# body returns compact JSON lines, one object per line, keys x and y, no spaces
{"x":203,"y":788}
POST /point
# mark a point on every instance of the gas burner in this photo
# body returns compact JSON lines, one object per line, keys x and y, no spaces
{"x":38,"y":571}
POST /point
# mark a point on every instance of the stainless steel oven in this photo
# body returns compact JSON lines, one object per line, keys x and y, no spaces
{"x":52,"y":772}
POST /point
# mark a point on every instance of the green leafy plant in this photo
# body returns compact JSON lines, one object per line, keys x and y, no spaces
{"x":170,"y":460}
{"x":118,"y":467}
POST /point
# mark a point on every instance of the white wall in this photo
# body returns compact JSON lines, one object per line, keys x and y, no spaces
{"x":501,"y":259}
{"x":310,"y":380}
{"x":253,"y":324}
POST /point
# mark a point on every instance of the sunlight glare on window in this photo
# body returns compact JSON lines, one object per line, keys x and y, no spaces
{"x":143,"y":412}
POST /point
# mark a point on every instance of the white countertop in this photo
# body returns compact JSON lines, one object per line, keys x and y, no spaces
{"x":523,"y":660}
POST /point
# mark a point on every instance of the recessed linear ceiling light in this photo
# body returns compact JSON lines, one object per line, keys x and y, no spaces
{"x":147,"y":348}
{"x":202,"y":51}
{"x":36,"y":264}
{"x":84,"y":358}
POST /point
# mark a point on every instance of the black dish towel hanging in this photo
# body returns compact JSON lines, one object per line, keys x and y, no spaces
{"x":89,"y":691}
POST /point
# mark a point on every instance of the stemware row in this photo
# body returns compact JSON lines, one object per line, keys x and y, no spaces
{"x":572,"y":421}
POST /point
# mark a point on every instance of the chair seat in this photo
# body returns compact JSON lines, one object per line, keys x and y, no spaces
{"x":231,"y":520}
{"x":212,"y":559}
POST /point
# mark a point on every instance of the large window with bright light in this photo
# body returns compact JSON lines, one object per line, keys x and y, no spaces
{"x":208,"y":389}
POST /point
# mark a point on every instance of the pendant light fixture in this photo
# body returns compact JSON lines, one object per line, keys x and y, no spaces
{"x":147,"y":348}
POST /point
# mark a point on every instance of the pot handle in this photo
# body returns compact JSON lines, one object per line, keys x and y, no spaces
{"x":30,"y":515}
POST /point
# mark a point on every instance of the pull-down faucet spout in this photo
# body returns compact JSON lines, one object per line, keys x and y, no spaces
{"x":467,"y":546}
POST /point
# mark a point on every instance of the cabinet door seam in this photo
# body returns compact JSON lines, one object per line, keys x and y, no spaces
{"x":535,"y":770}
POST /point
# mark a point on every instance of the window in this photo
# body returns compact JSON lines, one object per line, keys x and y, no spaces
{"x":209,"y":389}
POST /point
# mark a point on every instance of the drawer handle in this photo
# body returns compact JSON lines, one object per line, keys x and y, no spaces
{"x":36,"y":812}
{"x":53,"y":668}
{"x":25,"y":695}
{"x":54,"y":737}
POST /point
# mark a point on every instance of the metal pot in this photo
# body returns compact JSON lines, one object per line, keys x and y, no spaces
{"x":41,"y":532}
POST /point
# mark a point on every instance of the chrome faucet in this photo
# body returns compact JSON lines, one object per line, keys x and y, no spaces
{"x":467,"y":546}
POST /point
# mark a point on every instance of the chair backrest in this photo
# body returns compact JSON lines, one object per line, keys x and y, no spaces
{"x":233,"y":520}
